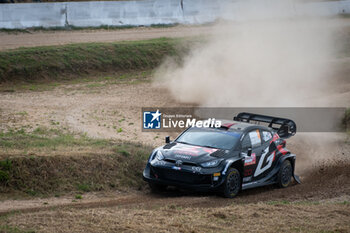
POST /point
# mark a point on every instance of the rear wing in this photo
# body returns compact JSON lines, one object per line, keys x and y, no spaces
{"x":285,"y":128}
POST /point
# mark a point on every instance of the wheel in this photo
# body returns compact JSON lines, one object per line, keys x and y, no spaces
{"x":285,"y":173}
{"x":232,"y":183}
{"x":156,"y":188}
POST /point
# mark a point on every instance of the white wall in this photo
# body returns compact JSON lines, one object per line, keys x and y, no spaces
{"x":147,"y":12}
{"x":144,"y":12}
{"x":32,"y":15}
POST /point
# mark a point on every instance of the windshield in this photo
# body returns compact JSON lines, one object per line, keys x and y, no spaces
{"x":209,"y":137}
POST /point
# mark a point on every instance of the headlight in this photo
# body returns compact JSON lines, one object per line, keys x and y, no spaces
{"x":212,"y":163}
{"x":159,"y":155}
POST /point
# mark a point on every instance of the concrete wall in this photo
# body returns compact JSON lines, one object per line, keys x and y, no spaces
{"x":32,"y":15}
{"x":147,"y":12}
{"x":144,"y":12}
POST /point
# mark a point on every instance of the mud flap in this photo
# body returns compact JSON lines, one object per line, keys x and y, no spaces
{"x":296,"y":178}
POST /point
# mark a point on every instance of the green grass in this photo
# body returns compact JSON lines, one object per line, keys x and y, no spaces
{"x":45,"y":138}
{"x":89,"y":82}
{"x":69,"y":61}
{"x":119,"y":166}
{"x":75,"y":28}
{"x":10,"y":229}
{"x":285,"y":202}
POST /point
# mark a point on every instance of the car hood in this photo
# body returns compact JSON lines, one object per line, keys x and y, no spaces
{"x":191,"y":153}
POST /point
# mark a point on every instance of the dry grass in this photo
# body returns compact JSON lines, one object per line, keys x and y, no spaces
{"x":59,"y":62}
{"x":116,"y":165}
{"x":261,"y":217}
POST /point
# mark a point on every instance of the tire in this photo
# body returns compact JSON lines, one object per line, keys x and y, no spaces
{"x":284,"y":176}
{"x":232,"y":183}
{"x":157,"y":188}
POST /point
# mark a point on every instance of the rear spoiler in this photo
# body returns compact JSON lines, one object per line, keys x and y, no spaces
{"x":285,"y":128}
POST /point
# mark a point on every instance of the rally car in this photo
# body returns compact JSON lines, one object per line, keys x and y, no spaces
{"x":244,"y":153}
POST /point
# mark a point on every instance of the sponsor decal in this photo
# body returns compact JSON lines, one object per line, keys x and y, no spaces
{"x":255,"y":137}
{"x":250,"y":160}
{"x":192,"y":150}
{"x":266,"y":136}
{"x":159,"y":163}
{"x":248,"y":172}
{"x":196,"y":169}
{"x":183,"y":157}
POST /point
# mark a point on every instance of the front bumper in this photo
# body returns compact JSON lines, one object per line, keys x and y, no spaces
{"x":190,"y":177}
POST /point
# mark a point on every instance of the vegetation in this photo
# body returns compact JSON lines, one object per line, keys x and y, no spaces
{"x":71,"y":27}
{"x":9,"y":229}
{"x":66,"y":61}
{"x":44,"y":138}
{"x":56,"y":174}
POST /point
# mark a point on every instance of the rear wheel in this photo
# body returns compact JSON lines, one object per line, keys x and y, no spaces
{"x":285,"y":173}
{"x":232,"y":184}
{"x":156,"y":188}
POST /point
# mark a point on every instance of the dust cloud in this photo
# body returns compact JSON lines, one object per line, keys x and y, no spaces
{"x":258,"y":61}
{"x":250,"y":62}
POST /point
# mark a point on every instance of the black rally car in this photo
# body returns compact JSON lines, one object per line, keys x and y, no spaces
{"x":241,"y":154}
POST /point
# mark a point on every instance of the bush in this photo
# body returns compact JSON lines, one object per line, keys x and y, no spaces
{"x":346,"y":120}
{"x":4,"y":177}
{"x":5,"y":166}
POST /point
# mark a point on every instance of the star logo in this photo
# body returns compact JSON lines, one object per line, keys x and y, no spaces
{"x":152,"y":120}
{"x":156,"y":115}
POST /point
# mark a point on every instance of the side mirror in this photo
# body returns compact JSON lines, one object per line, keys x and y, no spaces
{"x":249,"y":153}
{"x":167,"y":139}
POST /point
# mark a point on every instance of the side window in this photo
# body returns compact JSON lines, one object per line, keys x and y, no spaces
{"x":252,"y":139}
{"x":246,"y":142}
{"x":255,"y":138}
{"x":266,"y":136}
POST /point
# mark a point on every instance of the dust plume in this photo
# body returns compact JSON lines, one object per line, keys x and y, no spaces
{"x":280,"y":60}
{"x":267,"y":55}
{"x":319,"y":149}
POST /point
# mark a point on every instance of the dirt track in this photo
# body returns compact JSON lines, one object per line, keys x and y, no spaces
{"x":98,"y":109}
{"x":95,"y":107}
{"x":320,"y":203}
{"x":10,"y":41}
{"x":322,"y":182}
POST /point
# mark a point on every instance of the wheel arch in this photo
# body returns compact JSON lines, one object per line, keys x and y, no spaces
{"x":234,"y":163}
{"x":291,"y":158}
{"x":238,"y":164}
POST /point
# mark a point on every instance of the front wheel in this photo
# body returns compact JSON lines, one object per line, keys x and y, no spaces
{"x":232,"y":184}
{"x":285,"y":173}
